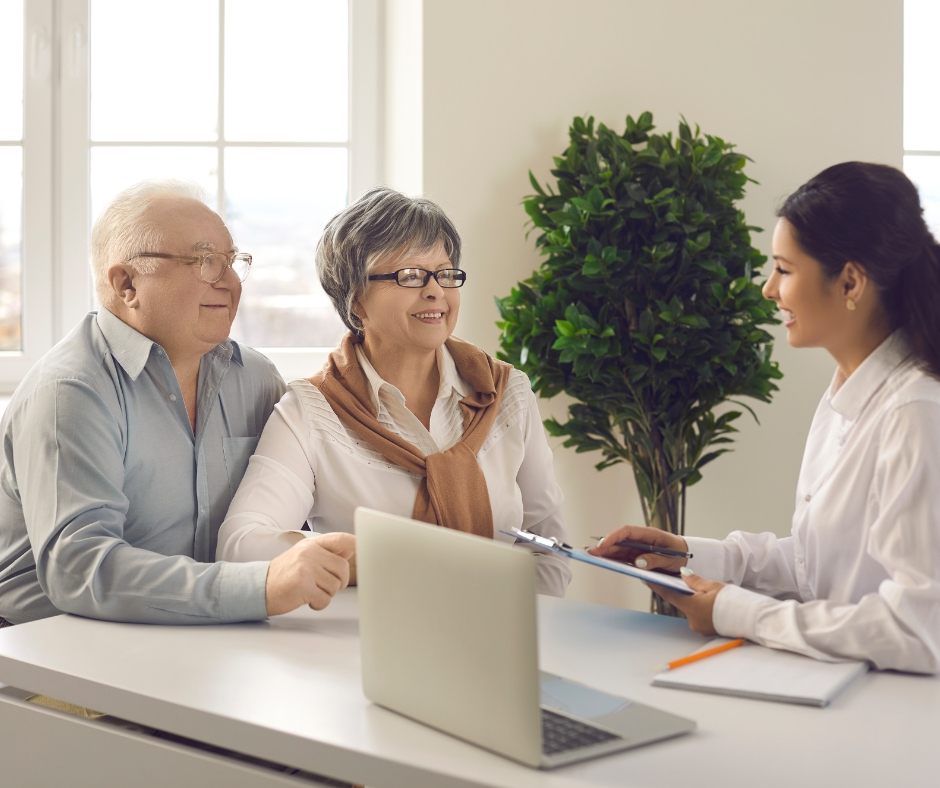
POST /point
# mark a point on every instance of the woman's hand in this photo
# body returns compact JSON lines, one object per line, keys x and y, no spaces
{"x":630,"y":555}
{"x":698,"y":607}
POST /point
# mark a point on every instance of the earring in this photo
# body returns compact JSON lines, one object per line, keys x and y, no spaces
{"x":850,"y":305}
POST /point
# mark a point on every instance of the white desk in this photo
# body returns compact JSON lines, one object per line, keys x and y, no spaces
{"x":289,"y":691}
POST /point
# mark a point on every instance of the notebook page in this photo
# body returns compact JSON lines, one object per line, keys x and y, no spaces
{"x":757,"y":672}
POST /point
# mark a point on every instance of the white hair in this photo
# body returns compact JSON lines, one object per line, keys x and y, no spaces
{"x":125,"y":228}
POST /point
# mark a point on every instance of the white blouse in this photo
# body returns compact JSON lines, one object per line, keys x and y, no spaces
{"x":859,"y":576}
{"x":308,"y":466}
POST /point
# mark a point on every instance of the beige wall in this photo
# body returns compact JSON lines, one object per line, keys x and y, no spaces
{"x":797,"y":85}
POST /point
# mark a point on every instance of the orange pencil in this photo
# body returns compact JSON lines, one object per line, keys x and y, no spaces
{"x":702,"y":654}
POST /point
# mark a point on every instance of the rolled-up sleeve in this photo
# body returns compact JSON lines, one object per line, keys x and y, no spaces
{"x":69,"y":452}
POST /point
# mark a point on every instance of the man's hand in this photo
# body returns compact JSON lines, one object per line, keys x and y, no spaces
{"x":630,"y":555}
{"x":311,"y":573}
{"x":698,"y":607}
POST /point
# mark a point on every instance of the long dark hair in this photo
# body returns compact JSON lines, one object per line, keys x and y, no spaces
{"x":870,"y":214}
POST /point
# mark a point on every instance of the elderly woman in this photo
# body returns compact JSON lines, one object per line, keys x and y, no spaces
{"x":403,"y":417}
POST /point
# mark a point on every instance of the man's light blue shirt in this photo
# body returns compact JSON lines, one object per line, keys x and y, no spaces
{"x":110,"y":505}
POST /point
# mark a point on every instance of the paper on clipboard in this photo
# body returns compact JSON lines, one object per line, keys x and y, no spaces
{"x":675,"y":583}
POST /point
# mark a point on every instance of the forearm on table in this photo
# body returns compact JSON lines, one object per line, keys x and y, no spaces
{"x":108,"y":579}
{"x":870,"y":630}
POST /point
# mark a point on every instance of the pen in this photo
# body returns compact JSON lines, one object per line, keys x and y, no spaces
{"x":678,"y":663}
{"x":650,"y":548}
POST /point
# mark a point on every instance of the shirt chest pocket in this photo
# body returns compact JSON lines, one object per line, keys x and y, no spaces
{"x":237,"y":452}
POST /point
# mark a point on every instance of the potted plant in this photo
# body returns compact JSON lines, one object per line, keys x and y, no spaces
{"x":645,"y":309}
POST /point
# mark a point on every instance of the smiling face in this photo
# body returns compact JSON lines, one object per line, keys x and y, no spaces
{"x":402,"y":319}
{"x":175,"y":308}
{"x":813,"y":305}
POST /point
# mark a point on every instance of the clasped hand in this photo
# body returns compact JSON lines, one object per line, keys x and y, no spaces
{"x":698,"y":607}
{"x":310,"y":573}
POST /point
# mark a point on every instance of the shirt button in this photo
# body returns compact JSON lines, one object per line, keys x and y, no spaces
{"x":173,"y":399}
{"x":808,"y":497}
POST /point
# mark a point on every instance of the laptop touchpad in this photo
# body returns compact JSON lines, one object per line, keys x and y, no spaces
{"x":577,"y":700}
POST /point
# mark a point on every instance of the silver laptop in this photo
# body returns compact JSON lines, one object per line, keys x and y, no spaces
{"x":448,"y":631}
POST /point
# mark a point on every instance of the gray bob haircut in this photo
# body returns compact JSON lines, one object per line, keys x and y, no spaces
{"x":124,"y":228}
{"x":380,"y":225}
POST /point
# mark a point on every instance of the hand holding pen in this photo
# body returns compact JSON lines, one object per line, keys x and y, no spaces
{"x":647,"y":548}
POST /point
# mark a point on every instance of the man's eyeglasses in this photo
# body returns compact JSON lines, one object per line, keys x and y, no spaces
{"x":212,"y":265}
{"x":419,"y":277}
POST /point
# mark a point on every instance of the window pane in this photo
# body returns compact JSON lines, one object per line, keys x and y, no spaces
{"x":114,"y":169}
{"x":286,"y":70}
{"x":278,"y":201}
{"x":925,"y":172}
{"x":11,"y":232}
{"x":154,"y":70}
{"x":11,"y":69}
{"x":921,"y":75}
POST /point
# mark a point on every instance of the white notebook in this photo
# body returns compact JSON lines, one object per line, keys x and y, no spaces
{"x":753,"y":671}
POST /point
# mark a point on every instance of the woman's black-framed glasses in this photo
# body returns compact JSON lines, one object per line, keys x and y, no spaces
{"x":419,"y":277}
{"x":212,"y":265}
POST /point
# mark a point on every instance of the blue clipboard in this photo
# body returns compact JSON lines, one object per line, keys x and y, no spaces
{"x":551,"y":543}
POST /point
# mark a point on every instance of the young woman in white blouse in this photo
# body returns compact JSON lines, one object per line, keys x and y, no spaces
{"x":403,"y":418}
{"x":857,"y":272}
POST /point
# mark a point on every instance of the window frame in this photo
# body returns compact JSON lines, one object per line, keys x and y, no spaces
{"x":907,"y":153}
{"x":38,"y":248}
{"x":57,"y":287}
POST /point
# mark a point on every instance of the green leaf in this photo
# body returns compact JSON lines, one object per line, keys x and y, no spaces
{"x":563,"y":218}
{"x":678,"y":476}
{"x":535,"y":184}
{"x":592,"y":267}
{"x":596,"y":199}
{"x":534,"y":210}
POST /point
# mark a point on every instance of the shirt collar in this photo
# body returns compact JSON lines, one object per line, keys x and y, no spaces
{"x":848,"y":396}
{"x":450,"y":378}
{"x":129,"y":347}
{"x":132,"y":350}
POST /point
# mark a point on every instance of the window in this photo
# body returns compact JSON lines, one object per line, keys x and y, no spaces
{"x":11,"y":175}
{"x":270,"y":107}
{"x":921,"y":108}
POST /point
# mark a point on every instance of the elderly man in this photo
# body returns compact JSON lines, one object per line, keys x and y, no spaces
{"x":123,"y":446}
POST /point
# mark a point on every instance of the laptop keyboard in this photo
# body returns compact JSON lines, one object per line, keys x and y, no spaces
{"x":560,"y":733}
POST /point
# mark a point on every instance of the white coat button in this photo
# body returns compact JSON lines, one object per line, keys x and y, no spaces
{"x":808,"y":497}
{"x":172,"y":398}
